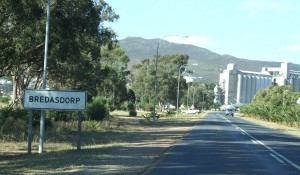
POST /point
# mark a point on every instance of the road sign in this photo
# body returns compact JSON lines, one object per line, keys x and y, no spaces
{"x":52,"y":99}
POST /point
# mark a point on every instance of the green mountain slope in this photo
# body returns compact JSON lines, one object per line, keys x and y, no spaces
{"x":210,"y":64}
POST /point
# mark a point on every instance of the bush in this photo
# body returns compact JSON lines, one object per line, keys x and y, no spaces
{"x":14,"y":122}
{"x":170,"y":112}
{"x":14,"y":113}
{"x":148,"y":107}
{"x":4,"y":100}
{"x":132,"y":113}
{"x":123,"y":106}
{"x":131,"y":109}
{"x":97,"y":110}
{"x":14,"y":126}
{"x":276,"y":104}
{"x":63,"y":115}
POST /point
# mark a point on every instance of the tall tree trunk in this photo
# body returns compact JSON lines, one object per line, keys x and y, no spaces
{"x":15,"y":92}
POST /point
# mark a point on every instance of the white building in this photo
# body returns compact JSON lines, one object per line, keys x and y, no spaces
{"x":240,"y":86}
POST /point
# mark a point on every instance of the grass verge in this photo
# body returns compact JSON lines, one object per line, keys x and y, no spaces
{"x":123,"y":145}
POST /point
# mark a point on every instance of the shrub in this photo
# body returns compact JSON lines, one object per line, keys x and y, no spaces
{"x":97,"y":109}
{"x":131,"y":109}
{"x":148,"y":107}
{"x":123,"y":106}
{"x":276,"y":104}
{"x":14,"y":113}
{"x":132,"y":113}
{"x":170,"y":112}
{"x":14,"y":126}
{"x":4,"y":99}
{"x":62,"y":115}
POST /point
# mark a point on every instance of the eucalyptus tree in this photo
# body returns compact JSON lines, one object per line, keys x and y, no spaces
{"x":168,"y":77}
{"x":114,"y":63}
{"x":201,"y":96}
{"x":142,"y":82}
{"x":74,"y":43}
{"x":143,"y":77}
{"x":21,"y":41}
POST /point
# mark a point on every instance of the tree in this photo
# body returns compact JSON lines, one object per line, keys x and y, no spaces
{"x":277,"y":104}
{"x":114,"y":63}
{"x":142,"y":77}
{"x":74,"y":43}
{"x":168,"y":77}
{"x":142,"y":82}
{"x":201,"y":96}
{"x":21,"y":41}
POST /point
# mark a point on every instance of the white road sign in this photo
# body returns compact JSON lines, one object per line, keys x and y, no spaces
{"x":51,"y":99}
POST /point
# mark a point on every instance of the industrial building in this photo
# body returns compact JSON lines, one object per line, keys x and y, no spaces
{"x":240,"y":86}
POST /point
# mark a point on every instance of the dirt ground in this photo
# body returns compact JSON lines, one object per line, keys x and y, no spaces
{"x":142,"y":151}
{"x":295,"y":131}
{"x":146,"y":148}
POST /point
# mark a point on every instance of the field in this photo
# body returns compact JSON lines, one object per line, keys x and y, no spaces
{"x":123,"y":145}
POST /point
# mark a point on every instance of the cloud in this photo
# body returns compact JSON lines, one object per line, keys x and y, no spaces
{"x":200,"y":41}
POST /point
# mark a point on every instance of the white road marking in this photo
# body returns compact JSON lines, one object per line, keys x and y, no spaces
{"x":277,"y":158}
{"x":276,"y":154}
{"x":254,"y":141}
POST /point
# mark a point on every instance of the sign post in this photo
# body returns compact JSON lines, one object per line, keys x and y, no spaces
{"x":55,"y":100}
{"x":79,"y":131}
{"x":29,"y":131}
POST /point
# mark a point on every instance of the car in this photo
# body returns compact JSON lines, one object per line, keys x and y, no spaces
{"x":229,"y":111}
{"x":191,"y":111}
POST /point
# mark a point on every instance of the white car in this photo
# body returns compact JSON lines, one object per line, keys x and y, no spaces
{"x":229,"y":111}
{"x":191,"y":111}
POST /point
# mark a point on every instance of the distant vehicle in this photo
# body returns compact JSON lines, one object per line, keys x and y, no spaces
{"x":191,"y":111}
{"x":229,"y":111}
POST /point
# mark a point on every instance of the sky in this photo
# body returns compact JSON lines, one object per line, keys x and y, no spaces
{"x":267,"y":30}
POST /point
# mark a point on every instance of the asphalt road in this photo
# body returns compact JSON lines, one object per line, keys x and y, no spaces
{"x":229,"y":145}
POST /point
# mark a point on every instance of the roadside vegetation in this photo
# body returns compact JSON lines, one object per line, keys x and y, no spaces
{"x":102,"y":144}
{"x":4,"y":101}
{"x":276,"y":104}
{"x":84,"y":54}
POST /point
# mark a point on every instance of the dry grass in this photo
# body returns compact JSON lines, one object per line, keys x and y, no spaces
{"x":292,"y":130}
{"x":123,"y":145}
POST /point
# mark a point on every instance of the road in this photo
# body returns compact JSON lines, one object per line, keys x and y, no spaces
{"x":222,"y":144}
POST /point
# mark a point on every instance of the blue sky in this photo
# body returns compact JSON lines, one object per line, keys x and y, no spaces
{"x":267,"y":30}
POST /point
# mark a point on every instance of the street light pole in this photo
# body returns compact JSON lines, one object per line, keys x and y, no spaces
{"x":155,"y":79}
{"x":177,"y":109}
{"x":202,"y":100}
{"x":194,"y":95}
{"x":178,"y":80}
{"x":43,"y":113}
{"x":187,"y":97}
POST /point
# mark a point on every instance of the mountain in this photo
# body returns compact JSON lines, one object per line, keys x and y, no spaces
{"x":210,"y":64}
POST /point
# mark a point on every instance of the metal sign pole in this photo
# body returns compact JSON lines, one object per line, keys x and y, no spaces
{"x":29,"y":131}
{"x":43,"y":114}
{"x":79,"y":131}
